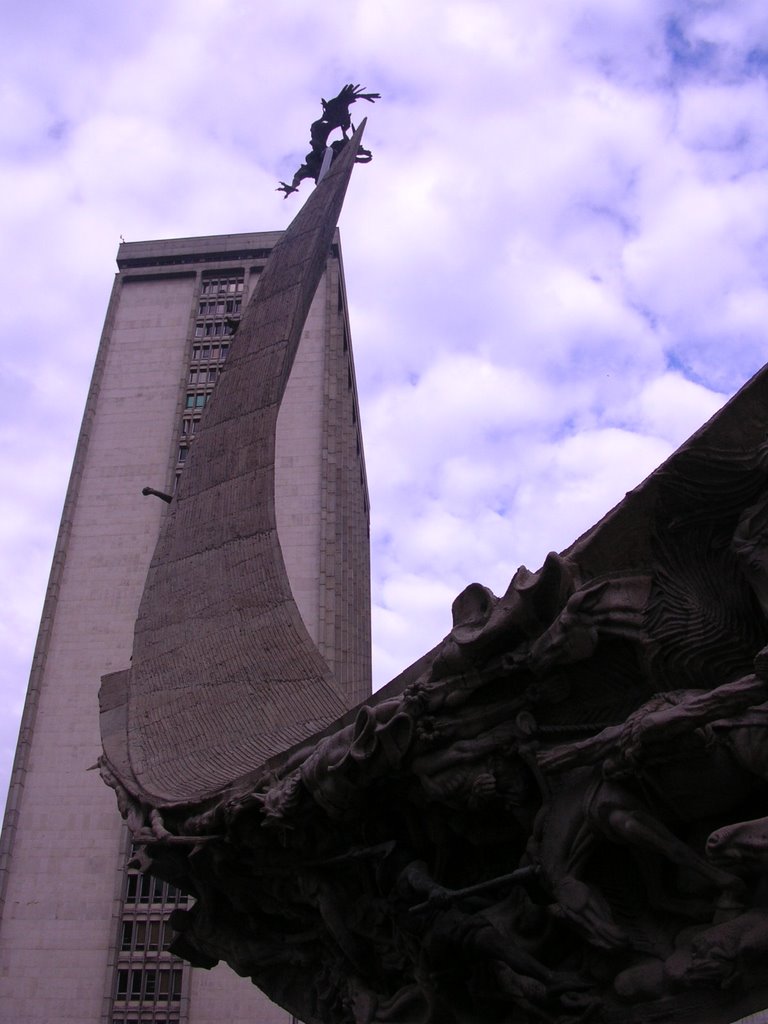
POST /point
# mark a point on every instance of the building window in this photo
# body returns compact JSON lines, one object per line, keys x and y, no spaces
{"x":144,"y":1019}
{"x":232,"y":284}
{"x":215,"y":353}
{"x":211,"y":329}
{"x":137,"y":889}
{"x":137,"y":977}
{"x":150,"y":936}
{"x":151,"y":984}
{"x":146,"y":889}
{"x":216,"y":308}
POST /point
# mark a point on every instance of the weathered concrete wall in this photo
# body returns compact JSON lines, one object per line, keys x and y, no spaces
{"x":60,"y":896}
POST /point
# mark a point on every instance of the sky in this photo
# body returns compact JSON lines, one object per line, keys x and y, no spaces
{"x":557,"y":261}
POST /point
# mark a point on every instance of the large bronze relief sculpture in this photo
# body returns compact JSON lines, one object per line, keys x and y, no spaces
{"x":559,"y":814}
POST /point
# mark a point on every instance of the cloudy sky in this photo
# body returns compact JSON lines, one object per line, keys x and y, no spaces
{"x":557,"y":262}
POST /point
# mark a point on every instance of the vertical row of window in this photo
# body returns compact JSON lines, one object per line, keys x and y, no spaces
{"x":148,"y":979}
{"x":208,"y":352}
{"x":147,"y":974}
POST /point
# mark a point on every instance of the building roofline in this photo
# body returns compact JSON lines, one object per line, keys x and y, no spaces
{"x":200,"y":249}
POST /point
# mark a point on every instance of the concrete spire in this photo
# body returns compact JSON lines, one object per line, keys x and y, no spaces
{"x":224,"y":674}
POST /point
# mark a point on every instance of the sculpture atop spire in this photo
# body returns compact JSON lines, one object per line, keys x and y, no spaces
{"x":335,"y":115}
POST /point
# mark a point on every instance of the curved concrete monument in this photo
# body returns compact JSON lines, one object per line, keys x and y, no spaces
{"x":559,"y":814}
{"x":223,"y":673}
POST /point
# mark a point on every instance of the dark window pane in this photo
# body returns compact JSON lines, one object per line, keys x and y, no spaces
{"x":136,"y":980}
{"x":144,"y":890}
{"x":164,"y":984}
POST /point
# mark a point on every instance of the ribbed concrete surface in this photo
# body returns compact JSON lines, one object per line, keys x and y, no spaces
{"x":224,"y":674}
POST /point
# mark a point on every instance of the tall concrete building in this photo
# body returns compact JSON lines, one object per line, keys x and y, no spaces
{"x":83,"y":934}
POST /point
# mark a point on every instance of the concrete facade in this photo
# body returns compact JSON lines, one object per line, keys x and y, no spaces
{"x":81,"y":938}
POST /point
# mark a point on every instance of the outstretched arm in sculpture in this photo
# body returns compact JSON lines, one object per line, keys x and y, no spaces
{"x":309,"y":169}
{"x":661,"y":721}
